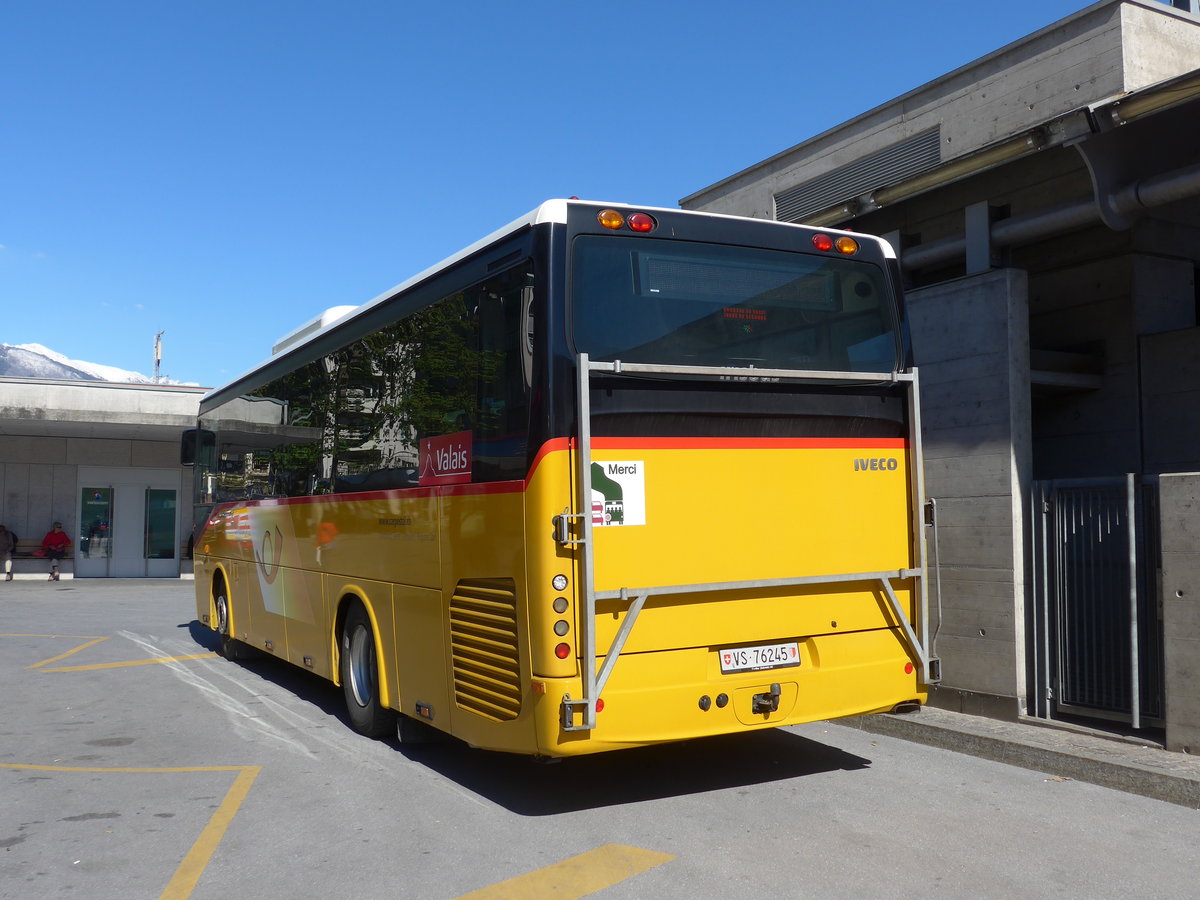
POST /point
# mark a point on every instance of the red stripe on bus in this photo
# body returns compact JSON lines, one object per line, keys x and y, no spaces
{"x":714,"y":443}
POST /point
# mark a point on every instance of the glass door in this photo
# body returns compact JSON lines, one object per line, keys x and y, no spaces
{"x":128,"y":523}
{"x":95,"y":545}
{"x":160,"y":543}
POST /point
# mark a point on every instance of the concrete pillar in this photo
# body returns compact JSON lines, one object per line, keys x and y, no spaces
{"x":971,"y":344}
{"x":977,"y":237}
{"x":1179,"y":508}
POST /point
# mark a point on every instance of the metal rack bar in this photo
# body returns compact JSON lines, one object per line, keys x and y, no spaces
{"x":725,"y":373}
{"x":594,"y":680}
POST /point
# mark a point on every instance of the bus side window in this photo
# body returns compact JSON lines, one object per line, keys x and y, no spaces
{"x":503,"y":386}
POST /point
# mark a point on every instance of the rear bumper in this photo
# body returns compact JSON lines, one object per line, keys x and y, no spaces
{"x":680,"y":694}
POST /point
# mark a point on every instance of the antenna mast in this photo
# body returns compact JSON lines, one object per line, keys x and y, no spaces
{"x":157,"y":354}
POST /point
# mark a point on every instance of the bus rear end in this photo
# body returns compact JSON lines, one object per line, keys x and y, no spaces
{"x":723,"y":531}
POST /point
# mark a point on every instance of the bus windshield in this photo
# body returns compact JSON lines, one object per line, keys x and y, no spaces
{"x":676,"y":302}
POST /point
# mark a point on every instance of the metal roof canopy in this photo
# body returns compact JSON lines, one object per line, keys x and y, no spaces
{"x":91,"y":409}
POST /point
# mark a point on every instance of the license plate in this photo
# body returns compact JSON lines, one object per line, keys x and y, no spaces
{"x":764,"y":656}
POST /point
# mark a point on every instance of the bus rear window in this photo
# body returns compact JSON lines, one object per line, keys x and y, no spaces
{"x":684,"y":303}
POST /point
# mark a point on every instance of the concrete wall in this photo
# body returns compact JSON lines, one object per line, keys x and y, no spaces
{"x":1171,"y":400}
{"x":39,"y":477}
{"x":1180,"y":520}
{"x":37,"y":485}
{"x":1086,"y":308}
{"x":78,"y":405}
{"x":970,"y":337}
{"x":1134,"y":314}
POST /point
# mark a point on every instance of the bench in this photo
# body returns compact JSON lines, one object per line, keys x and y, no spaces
{"x":26,"y":559}
{"x":29,"y":550}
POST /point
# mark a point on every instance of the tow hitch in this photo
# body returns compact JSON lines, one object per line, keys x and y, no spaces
{"x":767,"y":702}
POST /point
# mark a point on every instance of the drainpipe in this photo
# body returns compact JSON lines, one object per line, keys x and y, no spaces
{"x":1145,"y":193}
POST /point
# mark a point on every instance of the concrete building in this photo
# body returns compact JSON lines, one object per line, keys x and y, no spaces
{"x":1044,"y":203}
{"x":103,"y":459}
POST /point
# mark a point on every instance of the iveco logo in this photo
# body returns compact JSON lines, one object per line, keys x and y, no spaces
{"x":878,"y":464}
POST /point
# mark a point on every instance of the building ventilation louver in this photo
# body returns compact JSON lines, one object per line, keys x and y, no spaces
{"x":910,"y":157}
{"x":483,"y":646}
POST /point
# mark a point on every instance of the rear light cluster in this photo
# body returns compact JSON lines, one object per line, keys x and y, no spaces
{"x":562,"y":627}
{"x":845,"y":245}
{"x":644,"y":223}
{"x":638,"y":221}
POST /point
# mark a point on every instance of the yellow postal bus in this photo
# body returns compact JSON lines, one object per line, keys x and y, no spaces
{"x":609,"y":477}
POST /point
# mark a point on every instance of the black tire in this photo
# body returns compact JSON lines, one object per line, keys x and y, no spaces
{"x":231,"y":648}
{"x":360,"y":676}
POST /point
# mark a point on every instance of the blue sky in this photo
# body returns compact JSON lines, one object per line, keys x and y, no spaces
{"x":223,"y":171}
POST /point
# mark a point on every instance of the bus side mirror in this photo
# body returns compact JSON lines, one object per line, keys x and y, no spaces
{"x":195,"y":445}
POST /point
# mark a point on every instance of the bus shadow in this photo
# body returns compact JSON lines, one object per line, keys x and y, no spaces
{"x":203,"y":635}
{"x":530,"y":788}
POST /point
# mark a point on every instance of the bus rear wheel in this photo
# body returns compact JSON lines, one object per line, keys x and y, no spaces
{"x":360,"y":676}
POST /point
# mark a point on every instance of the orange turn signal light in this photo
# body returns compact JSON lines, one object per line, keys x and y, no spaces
{"x":610,"y":218}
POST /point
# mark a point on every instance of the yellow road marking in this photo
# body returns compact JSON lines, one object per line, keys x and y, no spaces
{"x":52,"y":659}
{"x":183,"y":882}
{"x":576,"y":877}
{"x":131,"y":662}
{"x":76,"y":636}
{"x":91,"y":643}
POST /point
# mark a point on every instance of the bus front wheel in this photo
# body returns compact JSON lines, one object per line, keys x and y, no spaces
{"x":231,"y":648}
{"x":360,"y":676}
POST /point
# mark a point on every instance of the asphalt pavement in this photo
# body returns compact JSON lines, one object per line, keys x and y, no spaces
{"x":1125,"y":763}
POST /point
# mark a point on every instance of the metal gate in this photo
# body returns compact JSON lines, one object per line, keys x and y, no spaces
{"x":1097,"y":625}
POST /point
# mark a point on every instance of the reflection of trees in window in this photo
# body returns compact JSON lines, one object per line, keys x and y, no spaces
{"x":353,"y":420}
{"x":445,"y":369}
{"x":404,"y":382}
{"x":301,"y":459}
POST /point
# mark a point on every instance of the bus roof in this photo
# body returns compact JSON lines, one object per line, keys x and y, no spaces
{"x":548,"y":212}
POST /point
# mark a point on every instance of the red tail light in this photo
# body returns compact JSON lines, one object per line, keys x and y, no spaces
{"x":641,"y":222}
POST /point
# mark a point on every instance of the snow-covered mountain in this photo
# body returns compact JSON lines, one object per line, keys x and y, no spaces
{"x":36,"y":361}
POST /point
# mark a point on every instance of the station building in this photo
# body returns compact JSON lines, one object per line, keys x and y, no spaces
{"x":102,"y":459}
{"x":1044,"y":204}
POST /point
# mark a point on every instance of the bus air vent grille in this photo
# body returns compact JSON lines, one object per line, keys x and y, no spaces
{"x":483,"y":644}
